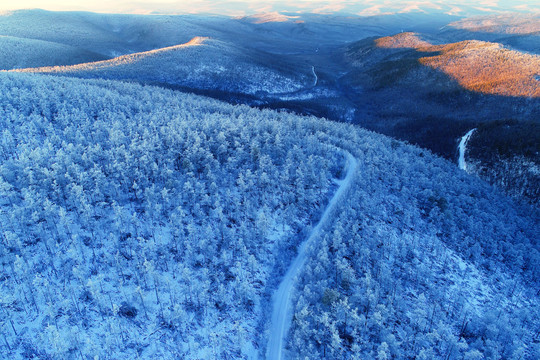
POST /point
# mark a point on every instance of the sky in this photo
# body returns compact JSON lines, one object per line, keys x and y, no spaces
{"x":247,"y":7}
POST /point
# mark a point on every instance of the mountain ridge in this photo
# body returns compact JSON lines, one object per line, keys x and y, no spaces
{"x":201,"y":63}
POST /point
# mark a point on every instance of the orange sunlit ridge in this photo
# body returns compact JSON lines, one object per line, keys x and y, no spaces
{"x":124,"y":59}
{"x":480,"y":66}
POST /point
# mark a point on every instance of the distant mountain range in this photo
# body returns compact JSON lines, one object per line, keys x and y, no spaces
{"x":241,"y":8}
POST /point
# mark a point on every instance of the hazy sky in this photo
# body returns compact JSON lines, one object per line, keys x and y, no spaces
{"x":242,"y":7}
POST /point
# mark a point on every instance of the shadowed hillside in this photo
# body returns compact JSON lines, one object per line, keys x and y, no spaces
{"x":507,"y":153}
{"x":431,"y":95}
{"x":23,"y":53}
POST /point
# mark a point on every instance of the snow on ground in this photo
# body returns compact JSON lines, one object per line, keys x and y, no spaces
{"x":282,"y":309}
{"x":462,"y":148}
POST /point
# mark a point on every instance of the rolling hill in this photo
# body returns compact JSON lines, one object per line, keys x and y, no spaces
{"x":477,"y":65}
{"x":201,"y":64}
{"x":73,"y":29}
{"x":111,"y":35}
{"x":421,"y":88}
{"x":143,"y":222}
{"x":513,"y":23}
{"x":518,"y":31}
{"x":270,"y":17}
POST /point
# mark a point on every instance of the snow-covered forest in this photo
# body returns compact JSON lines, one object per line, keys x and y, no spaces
{"x":134,"y":214}
{"x":201,"y":63}
{"x":139,"y":222}
{"x":206,"y":187}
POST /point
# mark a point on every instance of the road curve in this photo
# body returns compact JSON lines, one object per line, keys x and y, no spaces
{"x":281,"y":307}
{"x":462,"y":148}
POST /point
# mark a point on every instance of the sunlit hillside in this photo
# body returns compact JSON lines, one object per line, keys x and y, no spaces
{"x":480,"y":66}
{"x":404,"y":40}
{"x":432,"y":95}
{"x":270,"y":17}
{"x":488,"y":68}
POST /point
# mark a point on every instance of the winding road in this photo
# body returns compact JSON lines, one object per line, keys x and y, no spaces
{"x":281,"y":306}
{"x":316,"y":77}
{"x":462,"y":148}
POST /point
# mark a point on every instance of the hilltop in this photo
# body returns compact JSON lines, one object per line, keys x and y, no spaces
{"x":433,"y":93}
{"x":270,"y":17}
{"x":517,"y":31}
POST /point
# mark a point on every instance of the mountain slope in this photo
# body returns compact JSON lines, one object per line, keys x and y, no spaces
{"x":111,"y":35}
{"x":281,"y":307}
{"x":507,"y":153}
{"x":122,"y":182}
{"x":201,"y":63}
{"x":24,"y":53}
{"x":142,"y":222}
{"x":431,"y":95}
{"x":73,"y":29}
{"x":477,"y":65}
{"x":517,"y":31}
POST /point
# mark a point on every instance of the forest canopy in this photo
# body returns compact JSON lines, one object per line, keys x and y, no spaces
{"x":142,"y":222}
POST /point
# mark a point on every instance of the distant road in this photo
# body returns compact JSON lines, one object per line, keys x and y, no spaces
{"x":281,"y":307}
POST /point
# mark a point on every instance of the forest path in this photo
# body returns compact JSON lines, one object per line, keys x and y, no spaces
{"x":462,"y":148}
{"x":281,"y":313}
